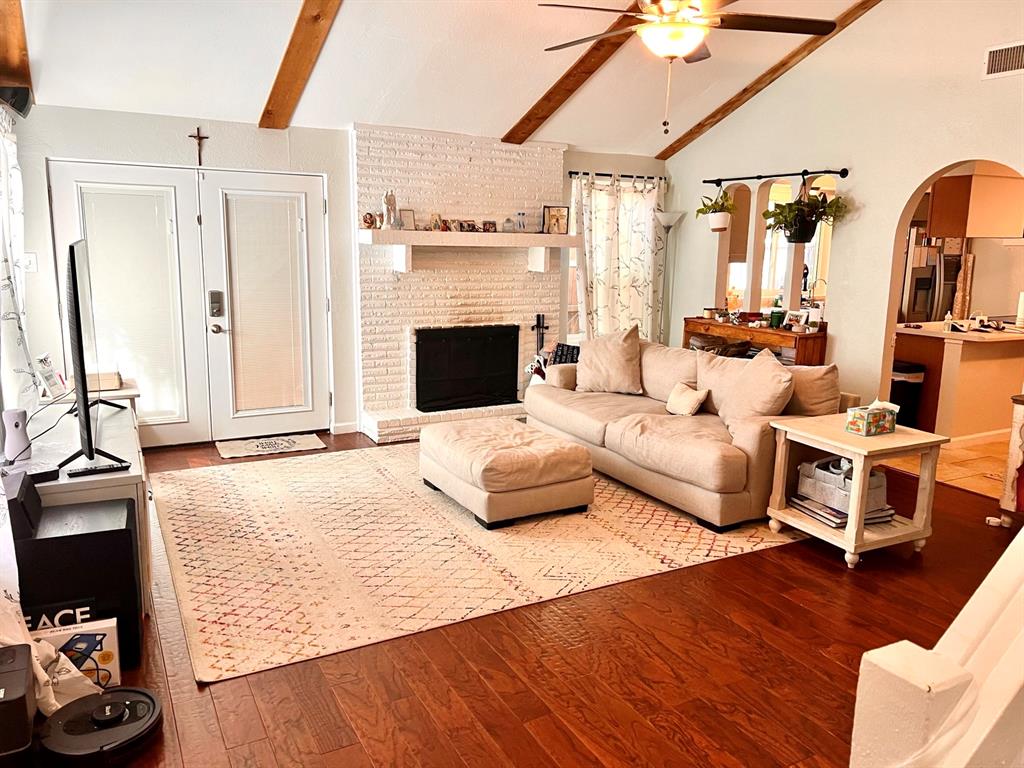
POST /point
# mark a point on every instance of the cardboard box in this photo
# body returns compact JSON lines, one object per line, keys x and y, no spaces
{"x":91,"y":647}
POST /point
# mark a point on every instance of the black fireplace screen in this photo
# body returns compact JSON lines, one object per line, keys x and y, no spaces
{"x":466,"y":367}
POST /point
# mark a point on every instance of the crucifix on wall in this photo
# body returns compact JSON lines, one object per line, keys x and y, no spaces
{"x":199,"y":139}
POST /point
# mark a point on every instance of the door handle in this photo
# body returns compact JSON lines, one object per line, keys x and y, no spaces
{"x":216,"y":328}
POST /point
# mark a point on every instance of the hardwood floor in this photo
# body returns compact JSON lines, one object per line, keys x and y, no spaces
{"x":747,"y":661}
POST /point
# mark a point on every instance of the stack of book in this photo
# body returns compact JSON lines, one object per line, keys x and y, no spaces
{"x":835,"y":518}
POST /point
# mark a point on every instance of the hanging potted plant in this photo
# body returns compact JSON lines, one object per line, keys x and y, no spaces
{"x":799,"y":219}
{"x":719,"y":210}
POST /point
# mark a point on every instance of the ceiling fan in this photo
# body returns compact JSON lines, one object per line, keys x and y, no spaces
{"x":676,"y":28}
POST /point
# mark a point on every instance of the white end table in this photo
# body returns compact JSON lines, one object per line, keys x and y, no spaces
{"x":828,"y":433}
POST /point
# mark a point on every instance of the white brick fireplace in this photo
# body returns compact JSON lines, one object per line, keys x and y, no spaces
{"x":459,"y":177}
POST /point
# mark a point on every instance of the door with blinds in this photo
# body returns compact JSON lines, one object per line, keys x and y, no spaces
{"x":219,"y":318}
{"x":147,"y":285}
{"x":266,"y":286}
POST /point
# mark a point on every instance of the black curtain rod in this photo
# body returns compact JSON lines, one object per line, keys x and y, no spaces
{"x":842,"y":173}
{"x":613,"y":175}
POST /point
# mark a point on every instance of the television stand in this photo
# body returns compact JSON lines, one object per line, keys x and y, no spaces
{"x":98,"y":401}
{"x":118,"y":465}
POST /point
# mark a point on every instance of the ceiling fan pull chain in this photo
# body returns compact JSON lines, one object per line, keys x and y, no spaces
{"x":668,"y":94}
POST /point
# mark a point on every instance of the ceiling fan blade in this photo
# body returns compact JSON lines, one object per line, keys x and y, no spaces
{"x":700,"y":53}
{"x":613,"y":33}
{"x":756,"y":22}
{"x":589,"y":8}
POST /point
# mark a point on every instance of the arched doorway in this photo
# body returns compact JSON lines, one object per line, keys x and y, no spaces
{"x":958,"y":253}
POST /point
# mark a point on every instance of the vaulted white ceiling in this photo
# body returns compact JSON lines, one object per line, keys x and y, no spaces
{"x":470,"y":66}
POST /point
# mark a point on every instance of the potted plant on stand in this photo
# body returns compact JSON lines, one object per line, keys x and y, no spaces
{"x":719,"y":210}
{"x":799,"y":219}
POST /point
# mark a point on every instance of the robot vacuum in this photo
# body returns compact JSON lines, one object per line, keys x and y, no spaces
{"x":108,"y":728}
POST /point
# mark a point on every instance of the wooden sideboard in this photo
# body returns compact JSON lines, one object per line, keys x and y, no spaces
{"x":809,"y":348}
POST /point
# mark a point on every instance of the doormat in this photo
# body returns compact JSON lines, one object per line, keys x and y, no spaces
{"x":264,"y":446}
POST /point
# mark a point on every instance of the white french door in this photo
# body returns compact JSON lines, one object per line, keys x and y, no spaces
{"x":223,"y":323}
{"x":147,"y":285}
{"x":266,"y":284}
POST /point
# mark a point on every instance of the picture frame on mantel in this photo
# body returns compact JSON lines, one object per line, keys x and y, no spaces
{"x":555,"y":220}
{"x":408,"y":218}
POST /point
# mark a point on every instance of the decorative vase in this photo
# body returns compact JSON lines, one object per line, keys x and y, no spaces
{"x":719,"y":222}
{"x":803,"y":230}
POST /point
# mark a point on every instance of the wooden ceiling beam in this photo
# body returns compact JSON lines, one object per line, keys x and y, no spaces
{"x":14,"y":68}
{"x":592,"y":59}
{"x":790,"y":60}
{"x":308,"y":36}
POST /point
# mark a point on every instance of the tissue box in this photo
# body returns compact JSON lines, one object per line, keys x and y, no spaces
{"x":817,"y":483}
{"x":91,"y":647}
{"x":869,"y":420}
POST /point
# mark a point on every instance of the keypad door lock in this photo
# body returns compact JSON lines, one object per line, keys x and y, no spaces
{"x":216,"y":303}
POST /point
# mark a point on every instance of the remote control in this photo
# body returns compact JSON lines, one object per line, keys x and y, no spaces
{"x":100,"y":469}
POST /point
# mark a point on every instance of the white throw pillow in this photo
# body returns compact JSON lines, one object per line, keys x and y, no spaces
{"x":685,"y":400}
{"x":610,"y":363}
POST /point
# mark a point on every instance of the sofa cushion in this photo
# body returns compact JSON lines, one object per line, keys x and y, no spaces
{"x":685,"y":400}
{"x":815,"y":390}
{"x":696,"y":450}
{"x":714,"y":374}
{"x":610,"y":363}
{"x":501,"y":455}
{"x":584,"y":414}
{"x":741,"y":388}
{"x":661,"y":368}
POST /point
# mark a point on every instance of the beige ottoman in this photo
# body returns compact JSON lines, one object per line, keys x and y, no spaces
{"x":502,"y":470}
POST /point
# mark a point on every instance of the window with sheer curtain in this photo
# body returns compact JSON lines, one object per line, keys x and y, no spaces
{"x":618,"y":279}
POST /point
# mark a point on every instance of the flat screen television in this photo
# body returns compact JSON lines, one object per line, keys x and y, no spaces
{"x":82,"y":340}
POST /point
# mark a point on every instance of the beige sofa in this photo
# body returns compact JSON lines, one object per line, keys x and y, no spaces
{"x":717,"y":471}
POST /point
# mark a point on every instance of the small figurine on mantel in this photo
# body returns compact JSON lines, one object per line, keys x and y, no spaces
{"x":390,"y":210}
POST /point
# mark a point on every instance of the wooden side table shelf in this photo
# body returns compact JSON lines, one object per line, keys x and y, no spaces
{"x":794,"y":437}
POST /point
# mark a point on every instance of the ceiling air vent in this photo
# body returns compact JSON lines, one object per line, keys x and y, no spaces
{"x":1004,"y":60}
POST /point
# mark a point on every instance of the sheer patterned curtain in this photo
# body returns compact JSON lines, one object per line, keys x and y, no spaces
{"x":18,"y":381}
{"x":620,"y":274}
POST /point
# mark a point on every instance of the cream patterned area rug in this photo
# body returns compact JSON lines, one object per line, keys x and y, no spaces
{"x":278,"y":561}
{"x":263,"y":446}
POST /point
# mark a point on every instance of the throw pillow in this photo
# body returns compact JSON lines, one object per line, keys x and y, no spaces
{"x":714,"y":374}
{"x":661,"y":368}
{"x":815,"y":390}
{"x":740,"y":388}
{"x":610,"y":363}
{"x":564,"y":353}
{"x":684,"y":400}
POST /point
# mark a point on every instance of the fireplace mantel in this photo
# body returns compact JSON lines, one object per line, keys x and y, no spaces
{"x":400,"y":242}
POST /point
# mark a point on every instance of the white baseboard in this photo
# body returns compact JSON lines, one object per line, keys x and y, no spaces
{"x":980,"y":437}
{"x":343,"y":427}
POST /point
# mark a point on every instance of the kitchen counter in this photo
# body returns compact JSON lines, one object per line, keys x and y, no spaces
{"x":934,"y":330}
{"x":969,"y":378}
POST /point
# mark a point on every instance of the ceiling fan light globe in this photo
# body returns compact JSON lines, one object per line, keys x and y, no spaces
{"x":672,"y":40}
